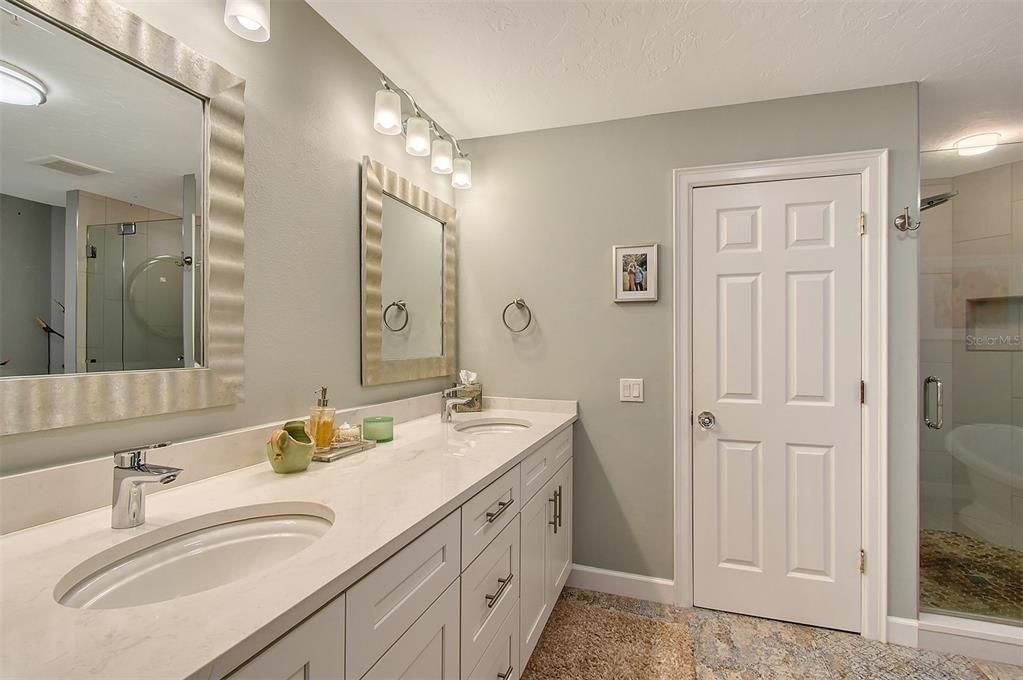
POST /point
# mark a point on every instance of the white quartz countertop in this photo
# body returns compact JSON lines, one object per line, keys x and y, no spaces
{"x":381,"y":499}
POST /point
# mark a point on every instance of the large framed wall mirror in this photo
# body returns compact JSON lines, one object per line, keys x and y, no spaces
{"x":121,"y":215}
{"x":409,"y":241}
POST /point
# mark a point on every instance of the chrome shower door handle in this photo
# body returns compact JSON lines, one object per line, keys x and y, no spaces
{"x":938,"y":420}
{"x":706,"y":420}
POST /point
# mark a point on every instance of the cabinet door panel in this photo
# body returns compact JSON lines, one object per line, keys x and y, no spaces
{"x":559,"y":543}
{"x":314,"y":650}
{"x":429,"y":649}
{"x":534,"y":602}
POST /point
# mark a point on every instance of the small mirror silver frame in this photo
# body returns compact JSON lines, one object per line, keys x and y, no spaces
{"x":378,"y":180}
{"x":30,"y":404}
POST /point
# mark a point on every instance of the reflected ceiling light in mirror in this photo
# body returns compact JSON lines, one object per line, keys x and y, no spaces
{"x":461,"y":178}
{"x":417,"y":136}
{"x":249,"y":19}
{"x":387,"y":112}
{"x":440,"y":160}
{"x":20,"y":87}
{"x":974,"y":145}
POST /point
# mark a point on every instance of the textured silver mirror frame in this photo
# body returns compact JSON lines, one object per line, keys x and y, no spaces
{"x":378,"y":180}
{"x":30,"y":404}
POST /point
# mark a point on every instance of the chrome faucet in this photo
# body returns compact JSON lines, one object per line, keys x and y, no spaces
{"x":447,"y":404}
{"x":131,"y":475}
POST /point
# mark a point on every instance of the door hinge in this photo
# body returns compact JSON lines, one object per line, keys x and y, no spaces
{"x":863,"y":561}
{"x":863,"y":223}
{"x":863,"y":392}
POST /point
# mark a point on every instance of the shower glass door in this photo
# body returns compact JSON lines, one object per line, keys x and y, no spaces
{"x":136,"y":284}
{"x":971,"y":365}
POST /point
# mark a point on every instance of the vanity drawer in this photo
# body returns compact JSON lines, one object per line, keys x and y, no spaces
{"x":501,"y":660}
{"x":490,"y":590}
{"x":487,"y":513}
{"x":541,"y":465}
{"x":385,"y":603}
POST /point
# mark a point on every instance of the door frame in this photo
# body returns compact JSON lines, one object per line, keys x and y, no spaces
{"x":872,"y":167}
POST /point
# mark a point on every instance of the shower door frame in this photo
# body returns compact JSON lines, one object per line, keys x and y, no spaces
{"x":872,"y":166}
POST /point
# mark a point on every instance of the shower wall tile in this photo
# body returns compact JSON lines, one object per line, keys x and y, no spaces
{"x":1017,"y":412}
{"x":982,"y":208}
{"x":1017,"y":181}
{"x":981,"y":388}
{"x":1017,"y":375}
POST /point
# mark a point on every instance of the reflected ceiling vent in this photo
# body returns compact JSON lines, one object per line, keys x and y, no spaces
{"x":68,"y":166}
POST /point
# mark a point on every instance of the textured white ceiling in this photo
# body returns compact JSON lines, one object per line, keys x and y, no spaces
{"x":485,"y":68}
{"x":100,"y":111}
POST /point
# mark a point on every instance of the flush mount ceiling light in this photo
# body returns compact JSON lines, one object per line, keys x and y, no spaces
{"x":20,"y":87}
{"x":249,"y":19}
{"x":974,"y":145}
{"x":423,"y":135}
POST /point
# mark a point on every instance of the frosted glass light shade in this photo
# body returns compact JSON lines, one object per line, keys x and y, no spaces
{"x":20,"y":87}
{"x":440,"y":160}
{"x":417,"y":136}
{"x":249,"y":19}
{"x":977,"y":144}
{"x":387,"y":112}
{"x":461,"y":178}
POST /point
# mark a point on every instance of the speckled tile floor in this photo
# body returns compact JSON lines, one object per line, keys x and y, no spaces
{"x":597,"y":637}
{"x":961,"y":573}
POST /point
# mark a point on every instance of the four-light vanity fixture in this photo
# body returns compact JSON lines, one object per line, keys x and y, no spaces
{"x":446,"y":158}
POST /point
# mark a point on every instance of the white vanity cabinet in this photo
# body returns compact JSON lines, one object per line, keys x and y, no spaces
{"x":465,"y":600}
{"x":313,"y":650}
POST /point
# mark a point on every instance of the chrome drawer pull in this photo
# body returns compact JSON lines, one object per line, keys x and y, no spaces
{"x":492,"y":599}
{"x":506,"y":674}
{"x":501,"y":507}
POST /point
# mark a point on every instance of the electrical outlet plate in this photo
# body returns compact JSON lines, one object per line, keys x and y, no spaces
{"x":630,"y":389}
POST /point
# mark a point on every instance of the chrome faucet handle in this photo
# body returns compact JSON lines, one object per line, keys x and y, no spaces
{"x":136,"y":455}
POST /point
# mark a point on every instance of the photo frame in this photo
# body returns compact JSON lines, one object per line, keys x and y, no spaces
{"x":634,"y":272}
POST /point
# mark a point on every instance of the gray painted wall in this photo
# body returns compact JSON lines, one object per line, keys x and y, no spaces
{"x":57,"y":217}
{"x":543,"y":213}
{"x":24,"y":284}
{"x":308,"y":121}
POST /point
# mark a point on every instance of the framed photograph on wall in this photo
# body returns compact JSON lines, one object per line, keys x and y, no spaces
{"x":634,"y":271}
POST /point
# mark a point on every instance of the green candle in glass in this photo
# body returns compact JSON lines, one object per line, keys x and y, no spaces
{"x":378,"y":428}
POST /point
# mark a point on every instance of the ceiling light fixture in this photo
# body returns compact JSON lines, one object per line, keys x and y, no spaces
{"x":20,"y":87}
{"x":423,"y":135}
{"x":440,"y":159}
{"x":249,"y":19}
{"x":974,"y":145}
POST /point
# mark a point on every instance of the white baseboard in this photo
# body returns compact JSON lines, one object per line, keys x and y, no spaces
{"x":954,"y":635}
{"x":621,"y":583}
{"x":902,"y":631}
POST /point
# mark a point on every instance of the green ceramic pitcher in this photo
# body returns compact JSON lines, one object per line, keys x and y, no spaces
{"x":290,"y":449}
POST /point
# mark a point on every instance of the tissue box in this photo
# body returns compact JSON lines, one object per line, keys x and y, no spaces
{"x":474,"y":393}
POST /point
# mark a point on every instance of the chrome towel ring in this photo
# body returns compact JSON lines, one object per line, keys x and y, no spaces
{"x":403,"y":306}
{"x":518,"y":303}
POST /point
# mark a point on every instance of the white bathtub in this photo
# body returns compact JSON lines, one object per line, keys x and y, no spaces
{"x":993,"y":456}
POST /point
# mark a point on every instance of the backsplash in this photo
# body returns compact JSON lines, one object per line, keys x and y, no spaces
{"x":32,"y":498}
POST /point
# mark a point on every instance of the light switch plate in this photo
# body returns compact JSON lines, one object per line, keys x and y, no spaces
{"x":630,"y":389}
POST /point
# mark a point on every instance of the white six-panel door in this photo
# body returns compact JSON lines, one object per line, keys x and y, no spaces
{"x":776,"y":361}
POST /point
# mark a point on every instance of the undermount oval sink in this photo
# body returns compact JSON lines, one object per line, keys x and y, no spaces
{"x":493,"y":426}
{"x":195,"y":555}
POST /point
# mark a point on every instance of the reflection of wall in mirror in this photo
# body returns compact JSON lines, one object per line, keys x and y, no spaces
{"x":413,"y":266}
{"x":31,"y":285}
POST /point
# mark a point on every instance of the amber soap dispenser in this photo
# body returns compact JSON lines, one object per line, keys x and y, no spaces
{"x":321,"y":422}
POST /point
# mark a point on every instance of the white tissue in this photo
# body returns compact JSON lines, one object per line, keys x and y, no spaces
{"x":467,"y":377}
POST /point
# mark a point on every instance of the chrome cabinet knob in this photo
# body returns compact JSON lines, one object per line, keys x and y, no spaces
{"x":706,"y":420}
